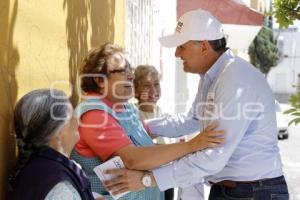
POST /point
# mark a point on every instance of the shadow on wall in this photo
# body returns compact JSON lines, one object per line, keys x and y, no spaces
{"x":81,"y":14}
{"x":9,"y":59}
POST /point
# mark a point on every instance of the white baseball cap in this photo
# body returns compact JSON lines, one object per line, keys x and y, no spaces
{"x":196,"y":25}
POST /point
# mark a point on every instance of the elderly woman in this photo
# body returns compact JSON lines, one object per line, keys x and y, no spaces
{"x":46,"y":133}
{"x":147,"y":92}
{"x":110,"y":126}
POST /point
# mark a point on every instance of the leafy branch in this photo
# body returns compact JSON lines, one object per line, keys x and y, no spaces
{"x":295,"y":110}
{"x":286,"y":12}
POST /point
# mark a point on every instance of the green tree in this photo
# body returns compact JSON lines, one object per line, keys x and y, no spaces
{"x":295,"y":110}
{"x":263,"y":51}
{"x":286,"y":12}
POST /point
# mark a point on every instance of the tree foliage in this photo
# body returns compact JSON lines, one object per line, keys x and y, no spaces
{"x":286,"y":12}
{"x":295,"y":110}
{"x":263,"y":51}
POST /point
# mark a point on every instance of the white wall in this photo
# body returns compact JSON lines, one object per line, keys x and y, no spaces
{"x":146,"y":21}
{"x":286,"y":74}
{"x":167,"y":63}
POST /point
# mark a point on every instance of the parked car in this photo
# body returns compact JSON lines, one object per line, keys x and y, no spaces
{"x":282,"y":120}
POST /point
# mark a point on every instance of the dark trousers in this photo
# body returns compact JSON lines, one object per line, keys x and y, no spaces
{"x":169,"y":194}
{"x":268,"y":189}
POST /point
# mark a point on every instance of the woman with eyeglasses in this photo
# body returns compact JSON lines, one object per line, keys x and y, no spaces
{"x":110,"y":126}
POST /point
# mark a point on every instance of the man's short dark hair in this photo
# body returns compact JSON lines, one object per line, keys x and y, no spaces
{"x":218,"y":45}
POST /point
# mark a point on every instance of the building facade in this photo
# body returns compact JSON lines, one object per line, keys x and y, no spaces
{"x":42,"y":44}
{"x":286,"y":75}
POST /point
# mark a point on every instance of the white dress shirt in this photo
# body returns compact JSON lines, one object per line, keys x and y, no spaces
{"x":243,"y":105}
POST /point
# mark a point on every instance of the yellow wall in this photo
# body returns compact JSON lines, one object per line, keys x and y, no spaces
{"x":43,"y":42}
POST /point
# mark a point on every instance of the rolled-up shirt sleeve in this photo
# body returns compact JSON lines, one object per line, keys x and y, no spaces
{"x":230,"y":97}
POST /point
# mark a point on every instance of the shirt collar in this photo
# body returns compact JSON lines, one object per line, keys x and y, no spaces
{"x":213,"y":72}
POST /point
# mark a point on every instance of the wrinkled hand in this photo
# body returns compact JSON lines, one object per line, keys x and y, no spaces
{"x":126,"y":180}
{"x":208,"y":138}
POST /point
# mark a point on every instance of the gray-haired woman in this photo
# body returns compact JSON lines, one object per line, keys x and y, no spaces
{"x":46,"y":133}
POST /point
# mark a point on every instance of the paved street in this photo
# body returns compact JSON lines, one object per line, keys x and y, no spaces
{"x":290,"y":149}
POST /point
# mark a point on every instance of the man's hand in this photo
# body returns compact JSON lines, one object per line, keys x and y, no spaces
{"x":126,"y":180}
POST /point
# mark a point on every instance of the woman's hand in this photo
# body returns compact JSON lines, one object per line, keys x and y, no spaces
{"x":208,"y":138}
{"x":126,"y":180}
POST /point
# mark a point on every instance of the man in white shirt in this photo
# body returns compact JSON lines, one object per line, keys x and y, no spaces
{"x":234,"y":93}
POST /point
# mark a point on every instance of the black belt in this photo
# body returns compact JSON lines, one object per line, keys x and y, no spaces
{"x":233,"y":184}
